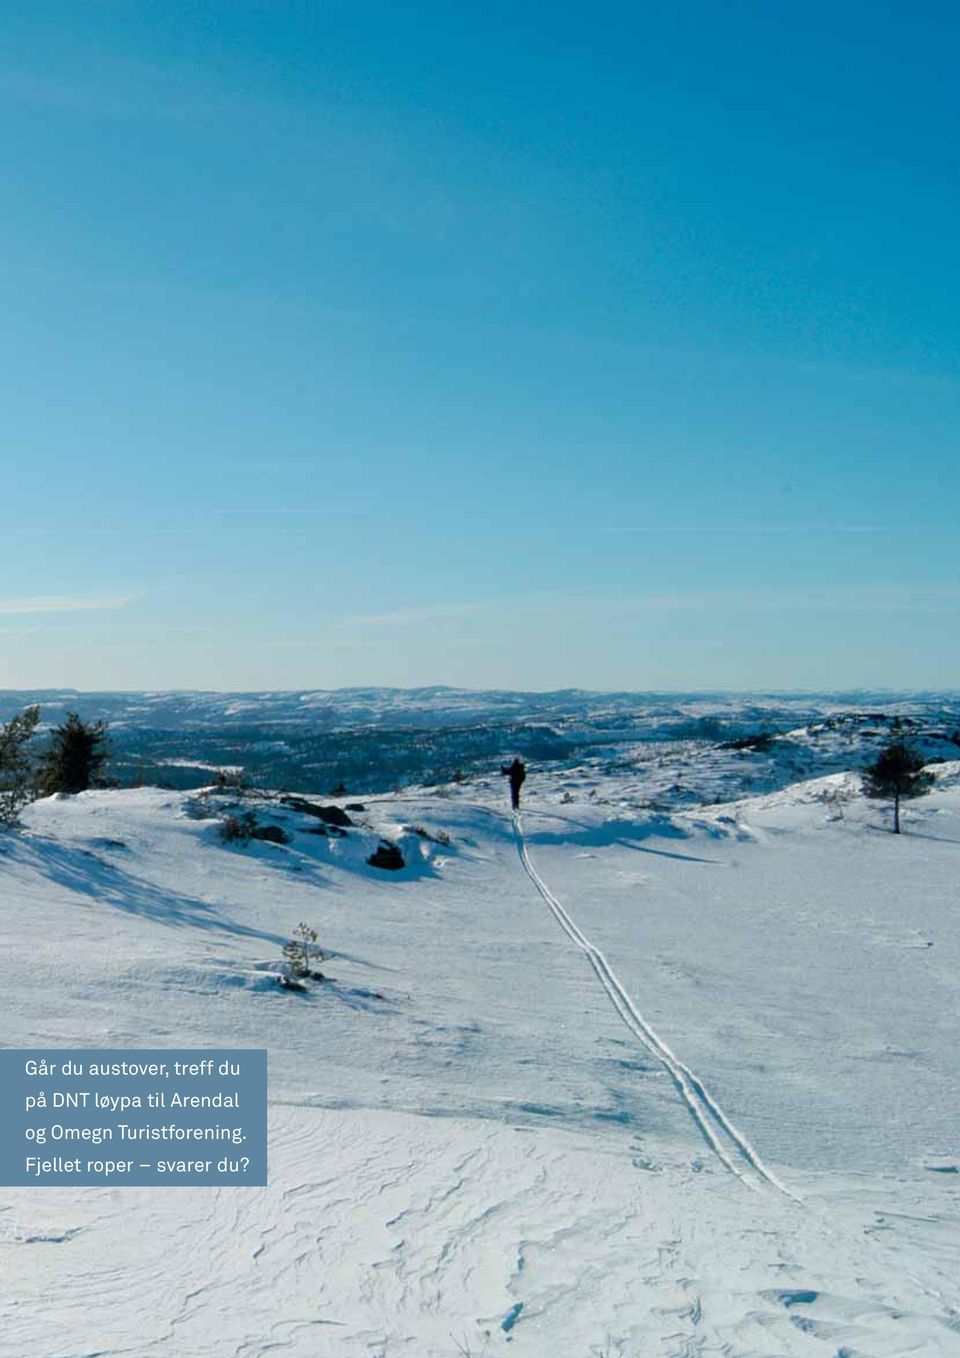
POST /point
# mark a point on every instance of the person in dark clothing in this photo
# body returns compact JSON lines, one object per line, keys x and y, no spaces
{"x":516,"y":772}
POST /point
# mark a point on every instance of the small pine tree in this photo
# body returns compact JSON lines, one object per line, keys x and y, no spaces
{"x":15,"y":765}
{"x":77,"y":754}
{"x":300,"y":951}
{"x":897,"y":774}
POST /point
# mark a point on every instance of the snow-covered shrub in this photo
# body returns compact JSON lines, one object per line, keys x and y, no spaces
{"x":232,"y":780}
{"x":834,"y":798}
{"x":238,"y":829}
{"x":434,"y":836}
{"x":300,"y":954}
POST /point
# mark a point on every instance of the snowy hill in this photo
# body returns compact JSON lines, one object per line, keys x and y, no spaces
{"x":611,"y":1080}
{"x":669,"y":751}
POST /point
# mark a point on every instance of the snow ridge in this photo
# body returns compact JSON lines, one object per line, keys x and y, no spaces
{"x":704,"y":1109}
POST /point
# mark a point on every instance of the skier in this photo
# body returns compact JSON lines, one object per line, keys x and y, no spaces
{"x":516,"y":772}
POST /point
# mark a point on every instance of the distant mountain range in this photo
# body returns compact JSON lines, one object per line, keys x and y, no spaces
{"x":375,"y":739}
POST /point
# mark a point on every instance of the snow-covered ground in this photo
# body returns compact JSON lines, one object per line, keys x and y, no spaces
{"x":604,"y":1081}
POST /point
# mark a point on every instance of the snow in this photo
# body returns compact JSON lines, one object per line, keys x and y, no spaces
{"x":604,"y":1080}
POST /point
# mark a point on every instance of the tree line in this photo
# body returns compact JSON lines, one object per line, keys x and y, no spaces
{"x":73,"y":760}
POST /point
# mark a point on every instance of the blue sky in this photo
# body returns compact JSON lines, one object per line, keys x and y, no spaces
{"x":609,"y":345}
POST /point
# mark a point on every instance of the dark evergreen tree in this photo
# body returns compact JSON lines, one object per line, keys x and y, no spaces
{"x":77,"y":754}
{"x":897,"y":775}
{"x":16,"y":777}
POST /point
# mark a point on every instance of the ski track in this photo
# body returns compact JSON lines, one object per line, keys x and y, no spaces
{"x":726,"y":1140}
{"x":399,"y":1234}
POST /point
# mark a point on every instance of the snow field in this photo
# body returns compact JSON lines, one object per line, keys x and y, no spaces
{"x":508,"y":1123}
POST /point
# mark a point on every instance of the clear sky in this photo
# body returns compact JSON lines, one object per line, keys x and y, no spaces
{"x":530,"y":345}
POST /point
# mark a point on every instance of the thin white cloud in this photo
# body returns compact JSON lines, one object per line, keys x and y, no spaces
{"x":61,"y":603}
{"x":402,"y":617}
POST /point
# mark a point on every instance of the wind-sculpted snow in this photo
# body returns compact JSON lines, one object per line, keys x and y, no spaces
{"x":509,"y":1117}
{"x":399,"y":1235}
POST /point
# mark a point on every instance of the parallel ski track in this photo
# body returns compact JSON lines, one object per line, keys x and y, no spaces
{"x":726,"y":1140}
